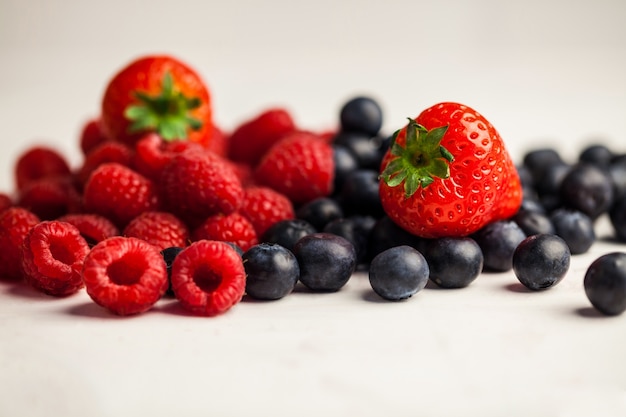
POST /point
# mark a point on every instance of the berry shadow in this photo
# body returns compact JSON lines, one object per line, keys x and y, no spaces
{"x":93,"y":311}
{"x":519,"y":288}
{"x":590,"y":313}
{"x":23,"y":290}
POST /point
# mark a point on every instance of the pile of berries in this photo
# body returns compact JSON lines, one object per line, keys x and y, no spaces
{"x":214,"y":216}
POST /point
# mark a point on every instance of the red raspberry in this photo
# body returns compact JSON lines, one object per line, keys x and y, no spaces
{"x":264,"y":206}
{"x":199,"y":184}
{"x":300,"y":166}
{"x":233,"y":227}
{"x":152,"y":153}
{"x":40,"y":162}
{"x":159,"y":228}
{"x":91,"y":136}
{"x":50,"y":198}
{"x":5,"y":202}
{"x":125,"y":275}
{"x":15,"y":223}
{"x":104,"y":153}
{"x":52,"y":258}
{"x":119,"y":193}
{"x":208,"y":277}
{"x":93,"y":227}
{"x":219,"y":142}
{"x":254,"y":137}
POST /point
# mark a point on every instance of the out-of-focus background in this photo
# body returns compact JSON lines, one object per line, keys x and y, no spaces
{"x":543,"y":71}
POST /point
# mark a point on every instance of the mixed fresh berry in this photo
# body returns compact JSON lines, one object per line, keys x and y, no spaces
{"x":165,"y":202}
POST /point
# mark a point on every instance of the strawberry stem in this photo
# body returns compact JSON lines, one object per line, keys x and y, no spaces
{"x":421,"y":159}
{"x":167,"y":113}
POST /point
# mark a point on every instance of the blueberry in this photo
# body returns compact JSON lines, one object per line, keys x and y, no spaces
{"x":271,"y":271}
{"x":617,"y":172}
{"x":386,"y":234}
{"x":287,"y":233}
{"x":498,"y":241}
{"x":605,"y":283}
{"x":575,"y":228}
{"x":617,"y":215}
{"x":169,"y":254}
{"x":454,"y":262}
{"x":326,"y":261}
{"x":356,"y":229}
{"x":364,"y":148}
{"x":345,"y":163}
{"x":539,"y":160}
{"x":548,"y":188}
{"x":596,"y":154}
{"x":361,"y":114}
{"x":587,"y":188}
{"x":534,"y":222}
{"x":541,"y":261}
{"x":320,"y":211}
{"x":360,"y":195}
{"x":398,"y":273}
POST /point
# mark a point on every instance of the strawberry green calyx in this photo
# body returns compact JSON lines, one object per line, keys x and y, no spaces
{"x":421,"y":159}
{"x":167,"y":113}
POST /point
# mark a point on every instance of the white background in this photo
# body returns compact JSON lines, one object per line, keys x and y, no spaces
{"x":545,"y":73}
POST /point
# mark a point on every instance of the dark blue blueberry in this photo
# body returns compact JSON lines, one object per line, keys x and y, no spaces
{"x":320,"y":211}
{"x":454,"y":262}
{"x":364,"y":148}
{"x":525,"y":176}
{"x":617,"y":215}
{"x":169,"y":254}
{"x":398,"y":273}
{"x":597,"y":154}
{"x":326,"y":261}
{"x":361,"y":114}
{"x":360,"y":193}
{"x":287,"y":233}
{"x":617,"y":172}
{"x":605,"y":283}
{"x":541,"y":261}
{"x":532,"y":205}
{"x":356,"y":229}
{"x":345,"y":163}
{"x":587,"y":188}
{"x":539,"y":160}
{"x":533,"y":222}
{"x":271,"y":271}
{"x":576,"y":229}
{"x":498,"y":241}
{"x":548,"y":188}
{"x":235,"y":246}
{"x":386,"y":234}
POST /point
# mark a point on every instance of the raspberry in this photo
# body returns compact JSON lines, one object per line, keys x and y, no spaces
{"x":152,"y":153}
{"x":52,"y":258}
{"x":219,"y":142}
{"x":5,"y":202}
{"x":161,"y":229}
{"x":208,"y":277}
{"x":254,"y":137}
{"x":264,"y":207}
{"x":40,"y":162}
{"x":125,"y":275}
{"x":200,"y":184}
{"x":119,"y":194}
{"x":91,"y":136}
{"x":233,"y":228}
{"x":15,"y":223}
{"x":104,"y":153}
{"x":93,"y":227}
{"x":50,"y":198}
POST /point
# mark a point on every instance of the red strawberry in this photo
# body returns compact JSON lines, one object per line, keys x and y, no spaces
{"x":101,"y":154}
{"x":119,"y":193}
{"x":125,"y":275}
{"x":40,"y":162}
{"x":254,"y":137}
{"x":159,"y":228}
{"x":92,"y":227}
{"x":208,"y":277}
{"x":300,"y":166}
{"x":265,"y":206}
{"x":233,"y":227}
{"x":448,"y":174}
{"x":15,"y":223}
{"x":157,"y":94}
{"x":91,"y":136}
{"x":196,"y":185}
{"x":52,"y":258}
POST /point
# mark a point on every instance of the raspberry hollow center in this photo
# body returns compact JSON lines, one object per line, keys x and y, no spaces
{"x":127,"y":270}
{"x":207,"y":278}
{"x":61,"y":252}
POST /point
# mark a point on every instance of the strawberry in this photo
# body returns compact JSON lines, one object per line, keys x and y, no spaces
{"x":157,"y":93}
{"x":448,"y":173}
{"x":251,"y":139}
{"x":300,"y":166}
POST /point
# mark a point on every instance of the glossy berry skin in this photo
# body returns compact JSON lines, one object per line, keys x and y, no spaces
{"x":361,"y":114}
{"x":125,"y":275}
{"x":287,"y":233}
{"x":52,"y":258}
{"x":460,"y":176}
{"x":188,"y":102}
{"x":617,"y":215}
{"x":15,"y":223}
{"x":355,"y":229}
{"x":498,"y":241}
{"x":271,"y":271}
{"x":300,"y":166}
{"x":320,"y":212}
{"x":326,"y":261}
{"x":454,"y":262}
{"x":398,"y":273}
{"x":208,"y":277}
{"x":605,"y":283}
{"x":533,"y":222}
{"x":587,"y":188}
{"x":541,"y":261}
{"x":386,"y":234}
{"x":575,"y":227}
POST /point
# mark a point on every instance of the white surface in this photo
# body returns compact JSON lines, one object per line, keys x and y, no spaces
{"x":544,"y":73}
